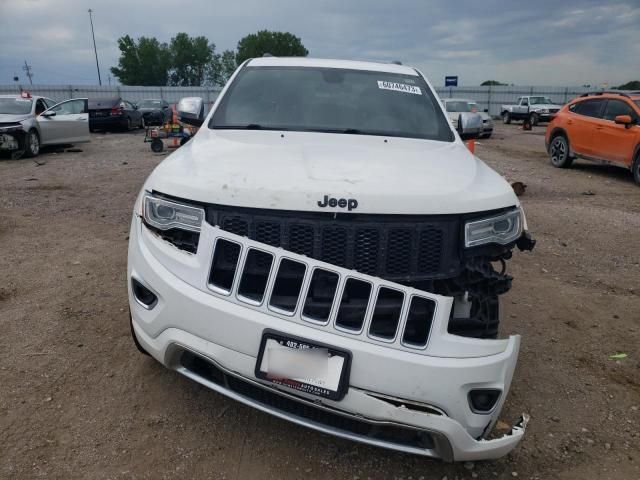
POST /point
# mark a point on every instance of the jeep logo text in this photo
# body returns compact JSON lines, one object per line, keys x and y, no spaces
{"x":349,"y":204}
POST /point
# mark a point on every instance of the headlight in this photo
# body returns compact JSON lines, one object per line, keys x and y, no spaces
{"x":165,"y":214}
{"x":544,"y":110}
{"x":502,"y":229}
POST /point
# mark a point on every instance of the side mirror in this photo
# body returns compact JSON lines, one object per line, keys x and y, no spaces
{"x":625,"y":120}
{"x":191,"y":111}
{"x":469,"y":125}
{"x":48,"y":113}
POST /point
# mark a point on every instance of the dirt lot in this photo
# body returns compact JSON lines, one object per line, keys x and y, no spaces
{"x":78,"y":401}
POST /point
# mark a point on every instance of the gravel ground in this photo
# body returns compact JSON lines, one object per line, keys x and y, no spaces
{"x":78,"y":401}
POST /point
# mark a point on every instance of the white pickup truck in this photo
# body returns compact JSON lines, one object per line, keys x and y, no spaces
{"x":535,"y":108}
{"x":323,"y":250}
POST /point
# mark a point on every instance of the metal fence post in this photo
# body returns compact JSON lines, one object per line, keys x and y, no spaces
{"x":161,"y":94}
{"x":70,"y":92}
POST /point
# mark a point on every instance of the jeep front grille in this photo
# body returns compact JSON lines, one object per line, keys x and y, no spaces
{"x":319,"y":294}
{"x":399,"y":248}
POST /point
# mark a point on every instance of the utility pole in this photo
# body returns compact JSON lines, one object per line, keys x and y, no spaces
{"x":27,"y":69}
{"x":95,"y":50}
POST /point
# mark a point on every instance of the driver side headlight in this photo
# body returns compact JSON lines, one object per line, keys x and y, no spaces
{"x":501,"y":229}
{"x":165,"y":214}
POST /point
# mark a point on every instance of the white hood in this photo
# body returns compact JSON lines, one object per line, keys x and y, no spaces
{"x":295,"y":170}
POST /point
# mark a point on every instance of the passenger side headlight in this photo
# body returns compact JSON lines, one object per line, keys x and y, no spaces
{"x":501,"y":229}
{"x":165,"y":214}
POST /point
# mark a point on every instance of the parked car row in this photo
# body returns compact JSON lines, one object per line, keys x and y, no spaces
{"x":29,"y":122}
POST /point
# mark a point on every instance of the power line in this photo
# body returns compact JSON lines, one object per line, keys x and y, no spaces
{"x":27,"y":69}
{"x":95,"y":50}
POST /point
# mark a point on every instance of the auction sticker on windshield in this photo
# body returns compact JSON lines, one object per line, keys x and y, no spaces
{"x":399,"y":87}
{"x":303,"y":366}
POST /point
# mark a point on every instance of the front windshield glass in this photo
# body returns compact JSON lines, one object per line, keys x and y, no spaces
{"x":458,"y":106}
{"x":637,"y":102}
{"x":150,"y":104}
{"x":15,"y":106}
{"x":331,"y":100}
{"x":540,"y":100}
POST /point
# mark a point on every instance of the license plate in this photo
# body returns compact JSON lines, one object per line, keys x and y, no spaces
{"x":305,"y":366}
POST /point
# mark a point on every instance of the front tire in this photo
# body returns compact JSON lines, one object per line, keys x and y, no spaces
{"x":142,"y":124}
{"x":636,"y":169}
{"x":128,"y":127}
{"x":534,"y":119}
{"x":32,"y":148}
{"x":506,"y":118}
{"x":559,"y":152}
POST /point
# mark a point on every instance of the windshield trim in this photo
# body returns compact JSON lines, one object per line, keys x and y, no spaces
{"x":447,"y":136}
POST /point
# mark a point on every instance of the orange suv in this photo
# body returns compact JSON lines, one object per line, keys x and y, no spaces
{"x":601,"y":126}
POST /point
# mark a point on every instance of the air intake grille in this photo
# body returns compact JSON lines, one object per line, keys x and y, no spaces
{"x":394,"y":247}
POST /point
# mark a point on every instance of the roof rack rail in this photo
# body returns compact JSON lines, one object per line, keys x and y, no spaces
{"x":603,"y":92}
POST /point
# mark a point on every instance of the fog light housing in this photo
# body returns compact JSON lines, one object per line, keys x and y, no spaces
{"x":145,"y":297}
{"x":483,"y":400}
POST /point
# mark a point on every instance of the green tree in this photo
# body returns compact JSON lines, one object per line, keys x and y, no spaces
{"x":279,"y":44}
{"x":632,"y":85}
{"x":491,"y":83}
{"x":145,"y":62}
{"x":221,"y":68}
{"x":191,"y":58}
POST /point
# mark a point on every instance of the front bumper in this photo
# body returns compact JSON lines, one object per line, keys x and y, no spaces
{"x":429,"y":396}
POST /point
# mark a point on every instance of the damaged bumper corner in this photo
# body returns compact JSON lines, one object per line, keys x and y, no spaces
{"x":12,"y":139}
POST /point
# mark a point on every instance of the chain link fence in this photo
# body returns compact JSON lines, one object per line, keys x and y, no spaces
{"x":487,"y":97}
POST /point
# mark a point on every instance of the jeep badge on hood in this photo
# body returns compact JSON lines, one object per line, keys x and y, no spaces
{"x":349,"y":204}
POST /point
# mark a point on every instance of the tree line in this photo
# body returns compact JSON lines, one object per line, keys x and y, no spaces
{"x":193,"y":61}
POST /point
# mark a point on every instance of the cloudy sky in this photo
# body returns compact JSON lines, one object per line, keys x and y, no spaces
{"x":541,"y":42}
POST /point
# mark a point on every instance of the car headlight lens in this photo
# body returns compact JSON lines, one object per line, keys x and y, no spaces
{"x":544,"y":110}
{"x":501,"y":229}
{"x":165,"y":214}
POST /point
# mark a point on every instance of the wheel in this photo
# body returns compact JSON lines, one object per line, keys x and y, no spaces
{"x":128,"y":123}
{"x":534,"y":119}
{"x":135,"y":339}
{"x":506,"y":118}
{"x":636,"y":169}
{"x":32,"y":148}
{"x":559,"y":152}
{"x":488,"y":136}
{"x":142,"y":125}
{"x":156,"y":145}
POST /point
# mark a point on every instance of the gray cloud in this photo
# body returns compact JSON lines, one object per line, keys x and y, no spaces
{"x":541,"y":43}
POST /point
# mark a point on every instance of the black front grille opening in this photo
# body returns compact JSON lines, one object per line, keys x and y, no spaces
{"x":301,"y":239}
{"x":237,"y":225}
{"x":224,"y":264}
{"x":334,"y":246}
{"x":353,"y":304}
{"x":399,"y":248}
{"x":182,"y":239}
{"x":320,"y":295}
{"x":393,"y":434}
{"x":386,"y":314}
{"x":269,"y":233}
{"x":255,"y":275}
{"x":366,"y":250}
{"x":430,"y":251}
{"x":419,"y":320}
{"x":287,"y":286}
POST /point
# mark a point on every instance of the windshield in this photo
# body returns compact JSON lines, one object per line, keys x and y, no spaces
{"x":150,"y":104}
{"x":331,"y":100}
{"x":458,"y":106}
{"x":15,"y":106}
{"x":540,"y":100}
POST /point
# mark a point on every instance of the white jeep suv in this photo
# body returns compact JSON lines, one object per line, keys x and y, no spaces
{"x":323,"y":250}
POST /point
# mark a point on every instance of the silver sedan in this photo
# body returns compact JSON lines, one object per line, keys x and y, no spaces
{"x":28,"y":122}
